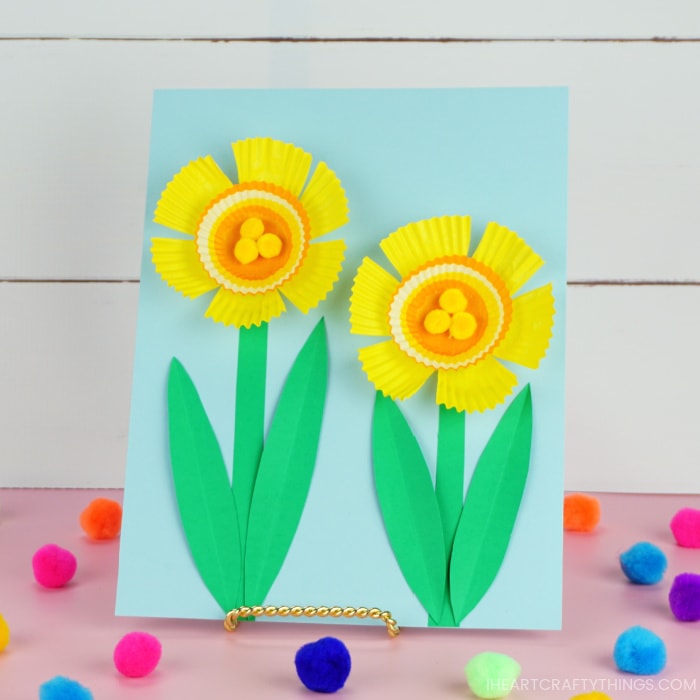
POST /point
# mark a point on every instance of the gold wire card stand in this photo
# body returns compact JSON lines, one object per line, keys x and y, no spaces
{"x":233,"y":616}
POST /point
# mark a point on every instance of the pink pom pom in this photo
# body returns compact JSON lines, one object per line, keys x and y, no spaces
{"x":685,"y":526}
{"x":137,"y":654}
{"x":53,"y":566}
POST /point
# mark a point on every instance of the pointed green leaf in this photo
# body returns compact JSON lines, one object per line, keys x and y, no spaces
{"x":491,"y":507}
{"x":286,"y":467}
{"x":408,"y":504}
{"x":203,"y":492}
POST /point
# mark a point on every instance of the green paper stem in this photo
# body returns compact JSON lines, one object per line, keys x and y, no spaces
{"x":207,"y":508}
{"x":449,"y":488}
{"x":449,"y":478}
{"x":491,"y":507}
{"x":408,"y":505}
{"x":249,"y":433}
{"x":286,"y":467}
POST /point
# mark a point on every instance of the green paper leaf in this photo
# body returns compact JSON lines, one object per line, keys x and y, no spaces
{"x":408,"y":504}
{"x":203,"y":491}
{"x":491,"y":507}
{"x":286,"y":467}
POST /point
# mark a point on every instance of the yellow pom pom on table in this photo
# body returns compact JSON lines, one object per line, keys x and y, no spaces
{"x":4,"y":633}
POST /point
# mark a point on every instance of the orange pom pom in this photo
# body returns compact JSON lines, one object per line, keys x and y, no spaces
{"x":102,"y":519}
{"x":581,"y":512}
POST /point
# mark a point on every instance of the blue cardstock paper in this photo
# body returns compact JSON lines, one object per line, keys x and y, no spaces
{"x":402,"y":156}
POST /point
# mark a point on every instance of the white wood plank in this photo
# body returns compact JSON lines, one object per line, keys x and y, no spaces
{"x":76,"y":120}
{"x":352,"y":18}
{"x":67,"y":355}
{"x":631,"y":381}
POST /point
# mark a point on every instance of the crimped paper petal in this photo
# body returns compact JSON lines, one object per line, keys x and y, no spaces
{"x":324,"y":201}
{"x":391,"y":371}
{"x":246,"y":310}
{"x":475,"y":387}
{"x":187,"y":195}
{"x":508,"y":256}
{"x":369,"y":302}
{"x":528,"y":337}
{"x":268,"y":160}
{"x":318,"y":273}
{"x":177,"y":262}
{"x":417,"y":243}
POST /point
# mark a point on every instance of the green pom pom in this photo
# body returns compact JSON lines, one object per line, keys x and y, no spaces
{"x":492,"y":675}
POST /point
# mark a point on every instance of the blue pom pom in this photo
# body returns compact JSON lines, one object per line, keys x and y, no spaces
{"x":62,"y":688}
{"x":643,"y":563}
{"x":323,"y":666}
{"x":638,"y":650}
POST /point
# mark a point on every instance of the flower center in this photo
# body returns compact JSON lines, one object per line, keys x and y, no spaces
{"x":253,"y":237}
{"x":254,"y":242}
{"x":450,"y":312}
{"x":451,"y":316}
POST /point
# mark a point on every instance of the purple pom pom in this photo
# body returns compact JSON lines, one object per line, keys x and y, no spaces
{"x":323,"y":666}
{"x":684,"y":597}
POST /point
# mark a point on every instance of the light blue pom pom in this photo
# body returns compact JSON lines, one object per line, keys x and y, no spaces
{"x":62,"y":688}
{"x":638,"y":650}
{"x":644,"y":563}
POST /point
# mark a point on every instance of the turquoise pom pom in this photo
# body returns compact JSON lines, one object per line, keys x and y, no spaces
{"x":638,"y":650}
{"x":62,"y":688}
{"x":644,"y":563}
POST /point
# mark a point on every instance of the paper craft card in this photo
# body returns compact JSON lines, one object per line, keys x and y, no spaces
{"x":349,"y":372}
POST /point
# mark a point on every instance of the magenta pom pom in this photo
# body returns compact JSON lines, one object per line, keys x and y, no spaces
{"x":685,"y":526}
{"x":137,"y":654}
{"x":684,"y":597}
{"x":53,"y":566}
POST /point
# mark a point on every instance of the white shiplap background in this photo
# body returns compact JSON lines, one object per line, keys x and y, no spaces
{"x":77,"y":79}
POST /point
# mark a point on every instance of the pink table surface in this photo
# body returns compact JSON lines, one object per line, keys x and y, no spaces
{"x":72,"y":631}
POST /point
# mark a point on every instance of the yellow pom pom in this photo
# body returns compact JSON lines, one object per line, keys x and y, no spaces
{"x":246,"y":251}
{"x":453,"y":300}
{"x":594,"y":695}
{"x":436,"y":321}
{"x":269,"y":245}
{"x":4,"y":633}
{"x":462,"y":326}
{"x":252,"y":228}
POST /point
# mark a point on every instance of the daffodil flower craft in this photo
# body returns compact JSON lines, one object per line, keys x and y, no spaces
{"x":255,"y":243}
{"x":458,"y":316}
